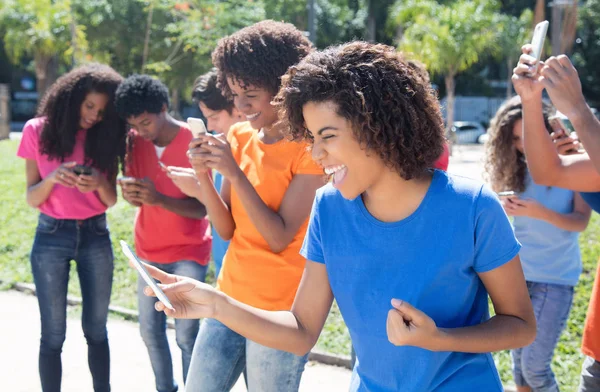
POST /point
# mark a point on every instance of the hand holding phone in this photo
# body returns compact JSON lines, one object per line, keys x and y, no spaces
{"x":139,"y":266}
{"x":82,"y":169}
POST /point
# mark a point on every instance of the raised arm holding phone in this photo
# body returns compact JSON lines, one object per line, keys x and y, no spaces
{"x":578,"y":172}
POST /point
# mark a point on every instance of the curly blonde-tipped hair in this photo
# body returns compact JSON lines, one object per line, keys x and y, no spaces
{"x":505,"y":166}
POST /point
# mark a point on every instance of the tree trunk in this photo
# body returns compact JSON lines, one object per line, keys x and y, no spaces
{"x":540,"y":12}
{"x":147,"y":37}
{"x":449,"y":79}
{"x":509,"y":70}
{"x":175,"y":103}
{"x":46,"y":70}
{"x":371,"y":25}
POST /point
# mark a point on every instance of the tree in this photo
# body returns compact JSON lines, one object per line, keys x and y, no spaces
{"x":337,"y":20}
{"x":44,"y":30}
{"x":169,"y":39}
{"x":587,"y":50}
{"x":448,"y":39}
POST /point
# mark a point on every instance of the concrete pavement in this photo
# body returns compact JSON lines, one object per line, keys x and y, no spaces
{"x":130,"y":366}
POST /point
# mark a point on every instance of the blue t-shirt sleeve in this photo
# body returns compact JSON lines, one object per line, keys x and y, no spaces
{"x":495,"y":241}
{"x":312,"y":248}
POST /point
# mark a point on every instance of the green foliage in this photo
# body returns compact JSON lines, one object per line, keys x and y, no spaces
{"x":587,"y":49}
{"x":39,"y":28}
{"x":512,"y":33}
{"x":339,"y":21}
{"x":447,"y":38}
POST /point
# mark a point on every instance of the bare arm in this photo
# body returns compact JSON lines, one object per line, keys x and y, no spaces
{"x":546,"y":167}
{"x":587,"y":127}
{"x":143,"y":192}
{"x":107,"y":190}
{"x":39,"y":190}
{"x":560,"y":78}
{"x":573,"y":221}
{"x":512,"y":326}
{"x":217,"y":205}
{"x":295,"y":331}
{"x":278,"y":228}
{"x":576,"y":172}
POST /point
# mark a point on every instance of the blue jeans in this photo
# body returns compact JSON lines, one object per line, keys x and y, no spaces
{"x":531,"y":364}
{"x":153,"y":328}
{"x":56,"y":243}
{"x":221,"y":354}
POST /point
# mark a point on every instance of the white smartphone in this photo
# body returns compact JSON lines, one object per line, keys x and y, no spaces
{"x":507,"y":194}
{"x":145,"y":275}
{"x":197,"y":126}
{"x":539,"y":36}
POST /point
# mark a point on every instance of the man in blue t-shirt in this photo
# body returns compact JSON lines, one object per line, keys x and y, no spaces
{"x":220,"y":114}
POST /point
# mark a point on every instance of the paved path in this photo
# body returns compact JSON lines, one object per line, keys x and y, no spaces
{"x":467,"y":160}
{"x":130,"y":366}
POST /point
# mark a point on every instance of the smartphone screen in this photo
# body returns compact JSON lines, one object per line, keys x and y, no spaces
{"x":144,"y":274}
{"x":82,"y":169}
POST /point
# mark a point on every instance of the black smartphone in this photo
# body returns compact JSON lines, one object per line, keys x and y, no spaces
{"x":82,"y":169}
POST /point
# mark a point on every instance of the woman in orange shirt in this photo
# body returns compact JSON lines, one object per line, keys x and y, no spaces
{"x":268,"y":188}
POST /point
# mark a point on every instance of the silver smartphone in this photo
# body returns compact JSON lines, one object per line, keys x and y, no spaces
{"x":539,"y":36}
{"x":145,"y":275}
{"x":197,"y":126}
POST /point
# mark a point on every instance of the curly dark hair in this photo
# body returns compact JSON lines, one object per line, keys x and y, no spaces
{"x":505,"y":166}
{"x":259,"y":55}
{"x":385,"y":97}
{"x":141,"y":93}
{"x":205,"y":90}
{"x":61,"y":105}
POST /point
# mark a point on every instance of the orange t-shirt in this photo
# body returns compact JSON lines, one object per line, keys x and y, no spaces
{"x":162,"y":236}
{"x":251,"y":272}
{"x":590,"y":345}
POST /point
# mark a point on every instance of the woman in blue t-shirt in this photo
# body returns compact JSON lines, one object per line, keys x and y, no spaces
{"x":547,"y":222}
{"x":409,"y":253}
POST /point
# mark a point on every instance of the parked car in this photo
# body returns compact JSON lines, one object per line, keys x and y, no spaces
{"x":468,"y":132}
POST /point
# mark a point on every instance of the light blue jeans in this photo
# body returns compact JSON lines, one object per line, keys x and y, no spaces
{"x":153,"y":328}
{"x":531,"y":364}
{"x":56,"y":243}
{"x":221,"y":354}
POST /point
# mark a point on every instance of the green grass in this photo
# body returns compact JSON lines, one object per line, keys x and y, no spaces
{"x":17,"y":221}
